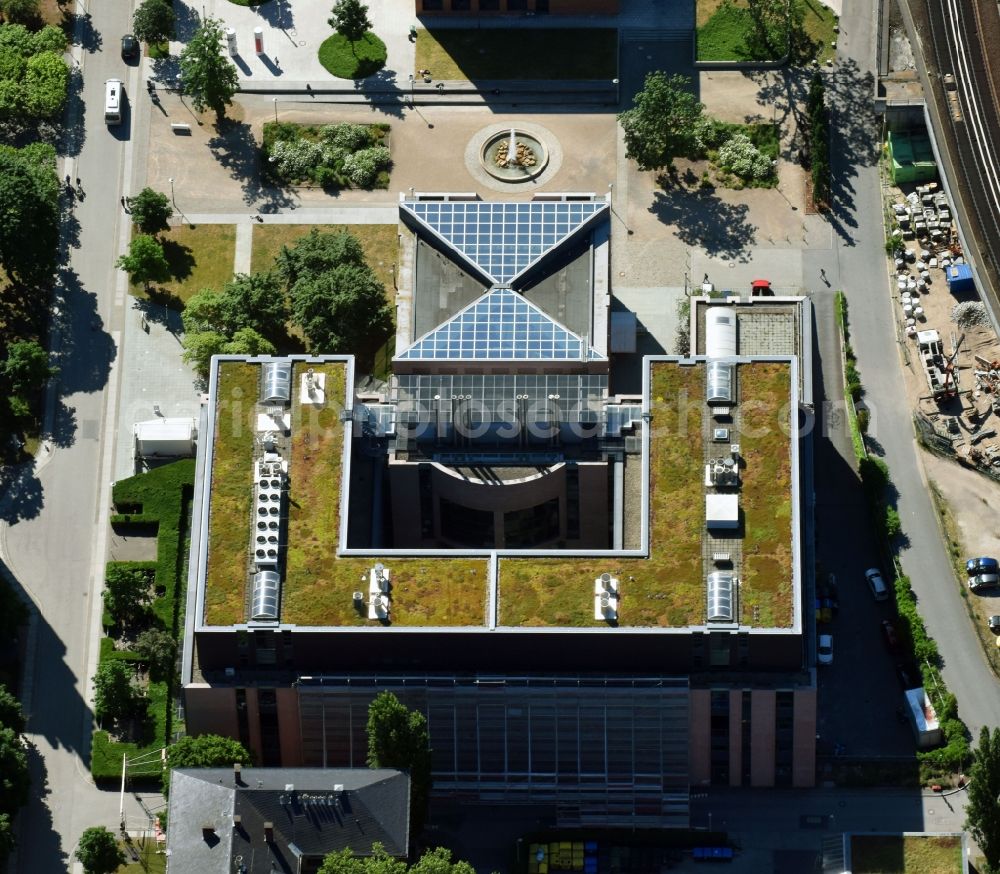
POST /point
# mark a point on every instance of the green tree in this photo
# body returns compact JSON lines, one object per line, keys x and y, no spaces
{"x":982,"y":813}
{"x":661,"y":124}
{"x":145,"y":261}
{"x":20,"y":11}
{"x":98,"y":851}
{"x":350,"y":19}
{"x":246,"y":341}
{"x":46,"y":85}
{"x":49,"y":39}
{"x":345,"y":862}
{"x":7,"y":841}
{"x":158,"y":649}
{"x":27,"y":367}
{"x":151,"y":210}
{"x":397,"y":738}
{"x":341,"y":310}
{"x":126,"y":592}
{"x":206,"y":73}
{"x":29,"y":213}
{"x":15,"y":781}
{"x":153,"y":21}
{"x":255,"y":301}
{"x":115,"y":696}
{"x":204,"y":751}
{"x":767,"y":37}
{"x":316,"y":253}
{"x":199,"y":347}
{"x":10,"y":711}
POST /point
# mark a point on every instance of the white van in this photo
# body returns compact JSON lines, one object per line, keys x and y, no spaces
{"x":114,"y":93}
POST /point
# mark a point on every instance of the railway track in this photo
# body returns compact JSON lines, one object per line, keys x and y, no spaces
{"x":958,"y":42}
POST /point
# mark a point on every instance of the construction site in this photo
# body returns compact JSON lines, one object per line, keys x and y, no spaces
{"x":953,"y":367}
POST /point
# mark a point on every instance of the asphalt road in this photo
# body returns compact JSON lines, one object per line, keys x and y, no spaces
{"x":856,"y":218}
{"x":52,"y":533}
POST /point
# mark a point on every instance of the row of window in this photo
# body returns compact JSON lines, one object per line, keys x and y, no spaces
{"x":484,"y":5}
{"x":719,"y":741}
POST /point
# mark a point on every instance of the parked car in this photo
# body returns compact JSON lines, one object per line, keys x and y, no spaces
{"x":880,"y":591}
{"x":130,"y":47}
{"x":983,"y":581}
{"x":982,"y":565}
{"x":824,"y":652}
{"x":889,"y":633}
{"x":824,"y":610}
{"x":994,"y":624}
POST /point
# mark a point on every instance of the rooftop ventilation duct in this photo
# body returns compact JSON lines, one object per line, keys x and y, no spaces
{"x":720,"y":596}
{"x":720,"y":332}
{"x":276,"y":382}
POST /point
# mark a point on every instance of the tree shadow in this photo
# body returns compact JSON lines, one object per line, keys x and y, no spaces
{"x":24,"y":495}
{"x":74,"y":135}
{"x":91,"y":39}
{"x":87,"y":349}
{"x":179,"y":257}
{"x":186,"y":21}
{"x":278,"y":15}
{"x":702,"y":219}
{"x":235,"y":148}
{"x":374,"y":88}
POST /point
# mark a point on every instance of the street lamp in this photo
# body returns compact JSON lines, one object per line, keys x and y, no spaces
{"x":274,"y":100}
{"x":411,"y":90}
{"x":172,"y":200}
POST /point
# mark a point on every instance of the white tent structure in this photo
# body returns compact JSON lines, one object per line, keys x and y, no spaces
{"x":165,"y":438}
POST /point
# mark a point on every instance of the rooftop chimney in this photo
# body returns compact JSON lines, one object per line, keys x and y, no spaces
{"x":237,"y":821}
{"x":269,"y":832}
{"x":207,"y":831}
{"x":237,"y":768}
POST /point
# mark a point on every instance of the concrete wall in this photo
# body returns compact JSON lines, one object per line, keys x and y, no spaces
{"x":288,"y":726}
{"x":762,"y":709}
{"x":804,"y":738}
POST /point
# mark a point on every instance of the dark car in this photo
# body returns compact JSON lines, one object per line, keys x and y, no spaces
{"x":984,"y":581}
{"x":130,"y":47}
{"x":908,"y":676}
{"x":982,"y":565}
{"x":889,"y":634}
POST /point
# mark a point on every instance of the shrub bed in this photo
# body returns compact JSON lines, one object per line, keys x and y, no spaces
{"x":163,"y":496}
{"x":331,"y":155}
{"x":357,"y":59}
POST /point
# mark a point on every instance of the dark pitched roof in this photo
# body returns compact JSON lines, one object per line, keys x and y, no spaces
{"x":313,"y":811}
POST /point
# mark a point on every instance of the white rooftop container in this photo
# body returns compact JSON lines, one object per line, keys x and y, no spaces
{"x":722,"y":511}
{"x":720,"y":332}
{"x":165,"y":438}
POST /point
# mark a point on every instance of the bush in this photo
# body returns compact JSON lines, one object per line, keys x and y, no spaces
{"x":127,"y":590}
{"x":296,"y":159}
{"x":893,"y":525}
{"x":350,"y":137}
{"x":362,"y":167}
{"x":115,"y":696}
{"x":740,"y":156}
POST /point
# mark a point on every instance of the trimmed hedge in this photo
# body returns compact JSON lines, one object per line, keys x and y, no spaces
{"x":161,"y":496}
{"x":819,"y":140}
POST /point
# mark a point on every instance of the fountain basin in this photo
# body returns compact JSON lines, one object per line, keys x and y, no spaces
{"x":531,"y":153}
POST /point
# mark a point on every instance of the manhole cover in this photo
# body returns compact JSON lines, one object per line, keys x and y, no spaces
{"x":294,"y":32}
{"x":302,"y":42}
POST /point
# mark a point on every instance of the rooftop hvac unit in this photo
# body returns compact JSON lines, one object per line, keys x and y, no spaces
{"x":276,"y":382}
{"x":721,"y":472}
{"x":633,"y":445}
{"x":720,"y":596}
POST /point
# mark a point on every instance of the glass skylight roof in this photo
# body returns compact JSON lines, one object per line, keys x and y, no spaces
{"x":503,"y":239}
{"x":500,"y":325}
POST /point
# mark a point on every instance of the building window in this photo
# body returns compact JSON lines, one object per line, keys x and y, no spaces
{"x":572,"y":502}
{"x":517,"y":5}
{"x":784,"y":722}
{"x":426,"y":502}
{"x":242,"y":719}
{"x":720,"y":650}
{"x":745,"y":731}
{"x":489,"y":5}
{"x":432,"y":5}
{"x":524,"y":529}
{"x":465,"y":525}
{"x":719,"y":737}
{"x":270,"y":740}
{"x":460,"y":5}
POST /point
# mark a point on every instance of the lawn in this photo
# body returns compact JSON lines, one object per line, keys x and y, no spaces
{"x":766,"y":495}
{"x":380,"y":244}
{"x":150,"y":861}
{"x":665,"y":590}
{"x":160,"y":496}
{"x":230,"y":508}
{"x":345,"y":59}
{"x":318,"y":587}
{"x":911,"y":854}
{"x":544,"y":53}
{"x":722,"y":28}
{"x":199,"y":257}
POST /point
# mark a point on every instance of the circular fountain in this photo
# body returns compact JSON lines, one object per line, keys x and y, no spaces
{"x":513,"y":156}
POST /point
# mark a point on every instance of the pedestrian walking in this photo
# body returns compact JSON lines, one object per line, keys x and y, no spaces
{"x":124,"y":204}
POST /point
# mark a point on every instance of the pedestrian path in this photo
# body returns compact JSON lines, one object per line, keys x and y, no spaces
{"x":338,"y":215}
{"x":244,"y":248}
